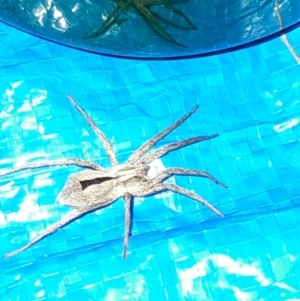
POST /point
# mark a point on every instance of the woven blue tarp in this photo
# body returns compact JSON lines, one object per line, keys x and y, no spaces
{"x":179,"y":250}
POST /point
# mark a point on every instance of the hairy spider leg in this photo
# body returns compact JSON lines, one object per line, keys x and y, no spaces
{"x":173,"y":146}
{"x":107,"y":24}
{"x":154,"y":23}
{"x":183,"y":171}
{"x":178,"y":12}
{"x":111,"y":154}
{"x":61,"y":162}
{"x":154,"y":20}
{"x":150,"y":143}
{"x":106,"y":143}
{"x":175,"y":188}
{"x":171,"y":23}
{"x":52,"y":228}
{"x":110,"y":20}
{"x":128,"y":203}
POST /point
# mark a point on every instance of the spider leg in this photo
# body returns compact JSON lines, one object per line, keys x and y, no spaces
{"x":165,"y":149}
{"x":111,"y":20}
{"x":155,"y":24}
{"x":61,"y":162}
{"x":183,"y":171}
{"x":175,"y":188}
{"x":65,"y":220}
{"x":150,"y":143}
{"x":107,"y":24}
{"x":128,"y":203}
{"x":169,"y":5}
{"x":178,"y":12}
{"x":171,"y":23}
{"x":106,"y":143}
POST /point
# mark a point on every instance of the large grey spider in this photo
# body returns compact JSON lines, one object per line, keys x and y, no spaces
{"x":152,"y":19}
{"x":97,"y":187}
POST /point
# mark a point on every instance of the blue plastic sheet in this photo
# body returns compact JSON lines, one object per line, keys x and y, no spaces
{"x":217,"y":25}
{"x":179,"y":250}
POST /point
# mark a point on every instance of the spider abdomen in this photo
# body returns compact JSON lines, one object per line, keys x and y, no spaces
{"x":88,"y":189}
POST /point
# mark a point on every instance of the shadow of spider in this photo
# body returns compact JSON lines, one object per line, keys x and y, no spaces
{"x":154,"y":20}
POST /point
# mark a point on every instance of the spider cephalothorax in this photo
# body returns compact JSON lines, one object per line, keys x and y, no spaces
{"x":97,"y":187}
{"x":154,"y":20}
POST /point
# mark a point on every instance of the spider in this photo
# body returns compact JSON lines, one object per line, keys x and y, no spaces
{"x":151,"y":18}
{"x":98,"y":187}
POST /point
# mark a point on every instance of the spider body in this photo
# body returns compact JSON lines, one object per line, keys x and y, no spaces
{"x":97,"y":187}
{"x":88,"y":189}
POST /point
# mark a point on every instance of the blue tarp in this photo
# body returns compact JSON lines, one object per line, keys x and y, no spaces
{"x":179,"y":250}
